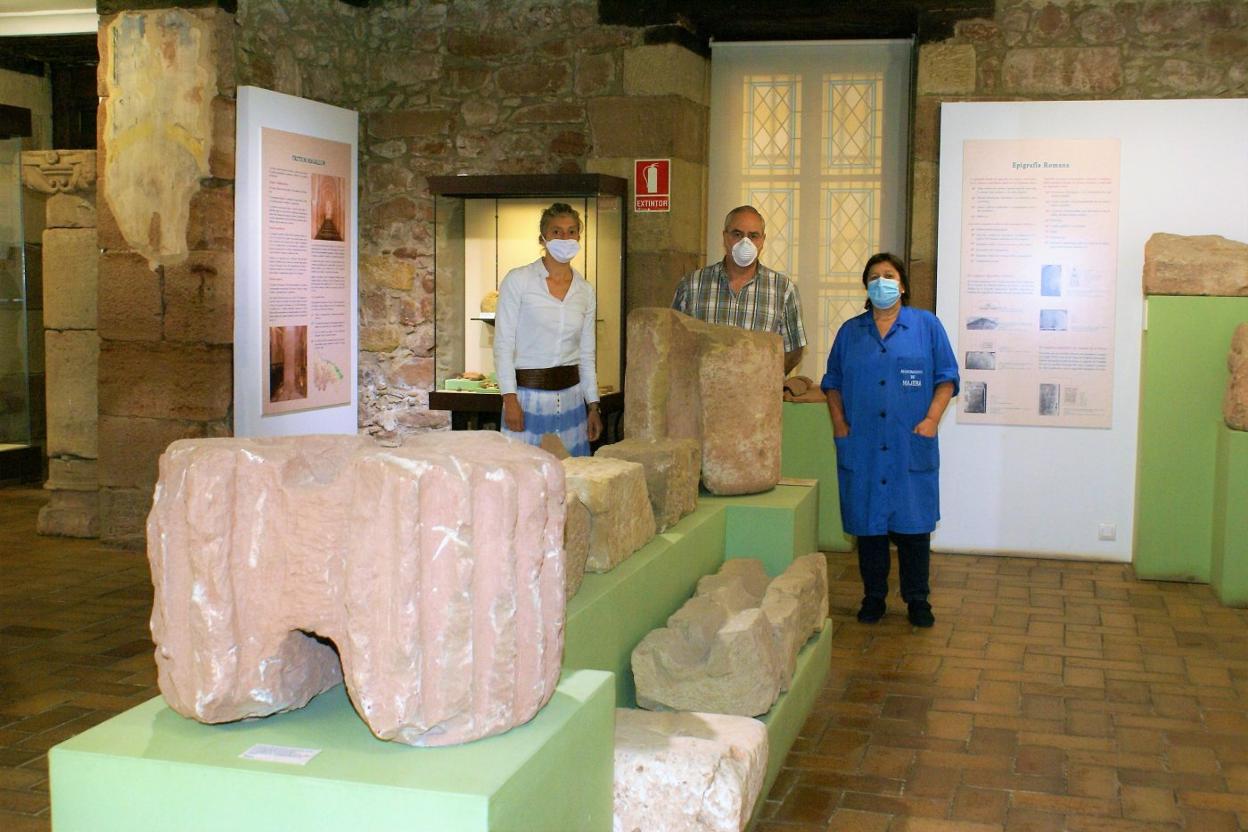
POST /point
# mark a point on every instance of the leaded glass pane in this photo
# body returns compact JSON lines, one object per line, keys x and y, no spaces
{"x":852,"y":115}
{"x":849,"y":226}
{"x":772,"y":122}
{"x":836,"y":306}
{"x":778,"y":204}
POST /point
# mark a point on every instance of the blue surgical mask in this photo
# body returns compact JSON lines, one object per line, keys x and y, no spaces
{"x":563,"y":250}
{"x":884,"y":292}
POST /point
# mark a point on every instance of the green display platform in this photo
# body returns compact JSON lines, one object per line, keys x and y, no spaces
{"x":151,"y":769}
{"x":807,"y":451}
{"x":1229,"y":573}
{"x":775,"y":526}
{"x":1183,"y":380}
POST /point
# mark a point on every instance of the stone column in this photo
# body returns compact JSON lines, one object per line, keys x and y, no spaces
{"x":70,"y":254}
{"x":166,"y":270}
{"x":663,"y":113}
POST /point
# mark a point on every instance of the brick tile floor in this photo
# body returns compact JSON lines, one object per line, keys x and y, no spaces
{"x":1050,"y":695}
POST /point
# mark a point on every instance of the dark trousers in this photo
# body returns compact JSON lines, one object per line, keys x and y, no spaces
{"x":914,"y":555}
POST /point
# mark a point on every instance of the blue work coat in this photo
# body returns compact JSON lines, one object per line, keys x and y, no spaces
{"x":888,"y":474}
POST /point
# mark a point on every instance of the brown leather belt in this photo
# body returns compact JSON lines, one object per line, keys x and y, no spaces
{"x":549,"y":378}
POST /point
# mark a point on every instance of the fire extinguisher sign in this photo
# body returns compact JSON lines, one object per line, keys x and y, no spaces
{"x":652,"y":189}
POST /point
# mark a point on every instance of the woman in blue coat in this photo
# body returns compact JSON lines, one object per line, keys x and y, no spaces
{"x":891,"y":373}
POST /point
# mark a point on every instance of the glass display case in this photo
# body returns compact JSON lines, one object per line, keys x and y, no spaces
{"x":484,"y":226}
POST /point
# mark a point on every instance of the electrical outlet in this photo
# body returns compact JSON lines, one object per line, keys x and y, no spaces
{"x":1107,"y":531}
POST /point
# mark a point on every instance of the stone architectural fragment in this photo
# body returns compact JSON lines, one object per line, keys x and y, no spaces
{"x":687,"y":772}
{"x":1199,"y":265}
{"x":435,"y":568}
{"x":672,"y":469}
{"x":614,"y":491}
{"x":719,"y":385}
{"x":1235,"y":403}
{"x":575,"y":544}
{"x":733,"y":646}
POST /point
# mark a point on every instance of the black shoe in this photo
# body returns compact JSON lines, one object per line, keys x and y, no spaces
{"x":871,"y":611}
{"x":920,"y":614}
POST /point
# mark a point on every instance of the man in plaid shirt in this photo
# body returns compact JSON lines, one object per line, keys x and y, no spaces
{"x":740,"y":291}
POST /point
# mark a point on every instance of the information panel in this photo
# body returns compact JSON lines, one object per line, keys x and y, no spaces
{"x":1039,"y":269}
{"x":306,"y":277}
{"x":295,"y":271}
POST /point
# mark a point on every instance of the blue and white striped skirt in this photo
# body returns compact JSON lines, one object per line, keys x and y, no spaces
{"x":561,"y":412}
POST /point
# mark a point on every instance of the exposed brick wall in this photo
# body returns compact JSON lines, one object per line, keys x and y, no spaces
{"x":1096,"y":49}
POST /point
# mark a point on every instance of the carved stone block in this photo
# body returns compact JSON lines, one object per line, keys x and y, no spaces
{"x":1235,"y":402}
{"x":672,"y":470}
{"x":70,"y":260}
{"x":687,"y":772}
{"x":435,"y":568}
{"x":1199,"y":265}
{"x":719,"y":385}
{"x":614,"y":491}
{"x":575,"y":543}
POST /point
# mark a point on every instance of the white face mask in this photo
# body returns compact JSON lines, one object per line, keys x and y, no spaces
{"x":563,"y":250}
{"x":744,"y":252}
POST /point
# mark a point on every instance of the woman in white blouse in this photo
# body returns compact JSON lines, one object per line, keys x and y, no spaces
{"x":544,"y":342}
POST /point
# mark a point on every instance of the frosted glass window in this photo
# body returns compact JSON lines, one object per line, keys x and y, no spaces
{"x":814,"y":136}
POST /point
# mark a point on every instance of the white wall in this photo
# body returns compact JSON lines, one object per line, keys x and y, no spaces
{"x":1034,"y":490}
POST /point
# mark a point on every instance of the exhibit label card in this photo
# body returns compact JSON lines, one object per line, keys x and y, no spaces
{"x":280,"y":754}
{"x":1039,"y":276}
{"x":306,"y":295}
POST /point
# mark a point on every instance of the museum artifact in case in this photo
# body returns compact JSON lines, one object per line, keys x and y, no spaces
{"x":484,"y":226}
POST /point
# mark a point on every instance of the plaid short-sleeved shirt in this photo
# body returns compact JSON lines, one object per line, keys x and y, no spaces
{"x":768,"y":303}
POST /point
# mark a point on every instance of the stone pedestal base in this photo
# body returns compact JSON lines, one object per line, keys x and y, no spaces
{"x":71,"y":514}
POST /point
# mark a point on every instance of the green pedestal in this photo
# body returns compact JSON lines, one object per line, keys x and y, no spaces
{"x":775,"y":526}
{"x":151,"y":769}
{"x":1229,"y":573}
{"x":807,"y":451}
{"x":1183,"y":380}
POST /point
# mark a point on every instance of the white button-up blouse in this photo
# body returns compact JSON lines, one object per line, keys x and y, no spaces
{"x":533,"y":329}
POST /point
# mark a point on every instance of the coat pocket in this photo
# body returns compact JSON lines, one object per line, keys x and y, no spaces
{"x":924,"y":452}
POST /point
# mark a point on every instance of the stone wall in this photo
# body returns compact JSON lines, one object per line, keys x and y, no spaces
{"x":166,"y":225}
{"x":479,"y":87}
{"x":1068,"y":49}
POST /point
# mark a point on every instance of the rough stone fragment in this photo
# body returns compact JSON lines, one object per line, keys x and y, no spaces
{"x":672,"y":467}
{"x":1206,"y":264}
{"x":614,"y":491}
{"x":1235,"y":403}
{"x":436,"y":568}
{"x":575,"y":544}
{"x":687,"y":772}
{"x":687,"y":379}
{"x":732,"y":647}
{"x":710,"y":662}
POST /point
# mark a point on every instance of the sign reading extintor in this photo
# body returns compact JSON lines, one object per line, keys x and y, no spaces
{"x":652,"y":187}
